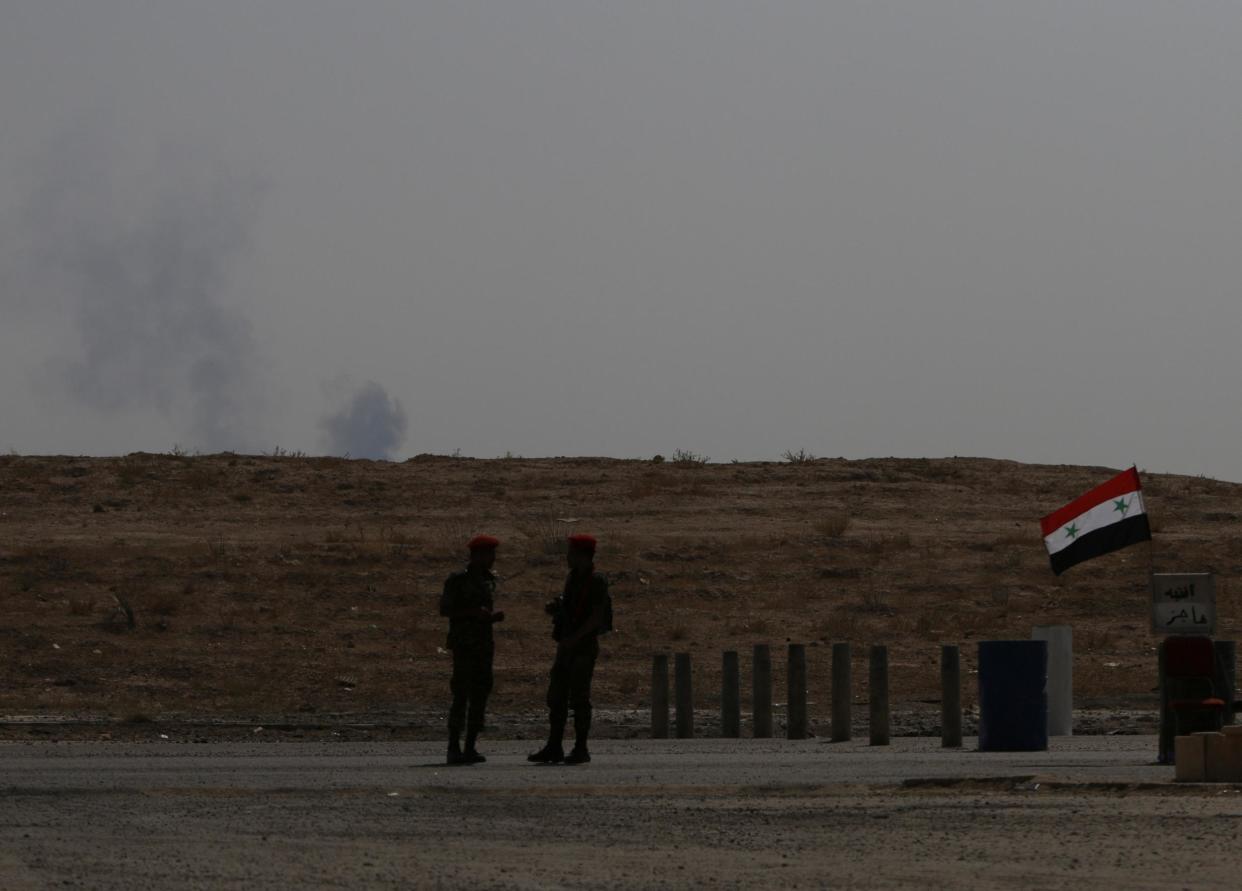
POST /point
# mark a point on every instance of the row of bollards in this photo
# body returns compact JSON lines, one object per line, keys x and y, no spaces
{"x":796,"y":719}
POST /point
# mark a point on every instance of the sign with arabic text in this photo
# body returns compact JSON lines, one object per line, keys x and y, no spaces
{"x":1183,"y":603}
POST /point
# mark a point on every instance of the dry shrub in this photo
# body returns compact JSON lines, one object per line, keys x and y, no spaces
{"x":875,"y":602}
{"x":449,"y":540}
{"x":549,"y":535}
{"x":686,"y":458}
{"x":832,"y":524}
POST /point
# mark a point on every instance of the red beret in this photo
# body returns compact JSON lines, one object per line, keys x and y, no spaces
{"x":482,"y":542}
{"x":582,"y":542}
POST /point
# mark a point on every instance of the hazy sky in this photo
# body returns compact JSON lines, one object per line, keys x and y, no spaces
{"x":1007,"y":229}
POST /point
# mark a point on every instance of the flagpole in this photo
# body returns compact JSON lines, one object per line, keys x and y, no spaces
{"x":1151,"y":541}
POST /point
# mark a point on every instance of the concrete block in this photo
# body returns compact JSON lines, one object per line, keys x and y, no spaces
{"x":1188,"y":759}
{"x":1214,"y":757}
{"x":1231,"y":769}
{"x":1060,"y":639}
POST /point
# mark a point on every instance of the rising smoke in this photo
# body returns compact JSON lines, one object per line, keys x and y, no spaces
{"x":140,"y":267}
{"x":370,"y":424}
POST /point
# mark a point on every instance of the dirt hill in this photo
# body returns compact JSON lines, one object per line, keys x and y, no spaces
{"x":295,"y":586}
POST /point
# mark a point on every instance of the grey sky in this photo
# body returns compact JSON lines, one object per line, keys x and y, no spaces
{"x":1007,"y":229}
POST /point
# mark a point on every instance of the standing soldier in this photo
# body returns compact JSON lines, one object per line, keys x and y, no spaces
{"x":467,"y":603}
{"x":579,"y":616}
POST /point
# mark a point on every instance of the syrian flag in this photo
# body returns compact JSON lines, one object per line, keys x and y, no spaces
{"x":1108,"y":518}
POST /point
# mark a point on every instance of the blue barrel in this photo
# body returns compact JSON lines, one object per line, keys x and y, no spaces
{"x":1013,"y":695}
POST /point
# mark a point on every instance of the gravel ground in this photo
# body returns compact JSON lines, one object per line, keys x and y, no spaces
{"x":647,"y":814}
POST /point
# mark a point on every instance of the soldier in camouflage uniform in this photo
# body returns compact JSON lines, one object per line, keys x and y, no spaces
{"x":467,"y":603}
{"x":579,"y":616}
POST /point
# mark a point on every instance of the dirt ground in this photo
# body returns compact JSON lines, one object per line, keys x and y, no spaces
{"x":1092,"y":811}
{"x":154,"y":588}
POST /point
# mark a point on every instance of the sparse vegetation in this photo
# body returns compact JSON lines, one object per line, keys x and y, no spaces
{"x":875,"y":602}
{"x":801,"y":456}
{"x":249,"y":609}
{"x":832,"y":524}
{"x":684,"y":458}
{"x":549,"y":535}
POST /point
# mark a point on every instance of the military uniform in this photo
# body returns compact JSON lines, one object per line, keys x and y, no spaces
{"x":569,"y":686}
{"x":584,"y":605}
{"x":470,"y":640}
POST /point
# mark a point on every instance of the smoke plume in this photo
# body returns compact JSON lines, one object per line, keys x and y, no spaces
{"x":370,"y":424}
{"x":140,"y":268}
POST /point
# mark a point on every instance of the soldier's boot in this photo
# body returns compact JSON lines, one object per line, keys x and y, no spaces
{"x":553,"y":752}
{"x":580,"y":755}
{"x":471,"y":755}
{"x":455,"y":755}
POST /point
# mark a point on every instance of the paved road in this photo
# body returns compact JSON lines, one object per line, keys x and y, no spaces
{"x":53,"y":767}
{"x":643,"y":814}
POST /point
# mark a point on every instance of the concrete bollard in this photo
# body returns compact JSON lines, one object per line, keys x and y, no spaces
{"x":730,"y":697}
{"x":761,"y":702}
{"x":878,"y":695}
{"x":1214,"y":757}
{"x":841,"y":717}
{"x":950,"y":696}
{"x":1231,"y":772}
{"x":1060,"y":641}
{"x":685,"y":696}
{"x":659,"y":697}
{"x":1188,"y":764}
{"x":795,"y":725}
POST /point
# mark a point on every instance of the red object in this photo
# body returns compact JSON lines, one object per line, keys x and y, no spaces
{"x":1122,"y":484}
{"x":1189,"y":666}
{"x":580,"y":541}
{"x":483,"y":542}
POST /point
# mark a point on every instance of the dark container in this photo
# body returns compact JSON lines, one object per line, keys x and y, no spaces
{"x":1013,"y":696}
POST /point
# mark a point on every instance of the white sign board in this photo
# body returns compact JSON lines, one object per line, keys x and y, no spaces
{"x":1183,"y":603}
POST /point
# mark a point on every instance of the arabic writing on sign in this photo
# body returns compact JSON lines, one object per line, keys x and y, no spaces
{"x":1186,"y":592}
{"x":1183,"y":603}
{"x":1194,"y":617}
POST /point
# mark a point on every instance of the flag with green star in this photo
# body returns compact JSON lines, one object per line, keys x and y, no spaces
{"x":1109,"y":517}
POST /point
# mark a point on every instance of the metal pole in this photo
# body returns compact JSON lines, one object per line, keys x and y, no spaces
{"x":950,"y":696}
{"x":761,"y":703}
{"x":1168,"y":732}
{"x":841,"y":718}
{"x":878,"y":695}
{"x":795,"y":725}
{"x":730,"y":697}
{"x":659,"y":697}
{"x":685,"y":696}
